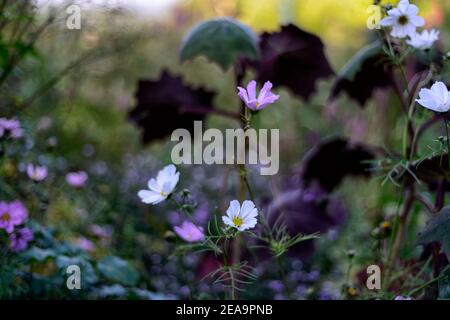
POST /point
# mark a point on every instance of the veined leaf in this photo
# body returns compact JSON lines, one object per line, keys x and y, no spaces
{"x":222,"y":41}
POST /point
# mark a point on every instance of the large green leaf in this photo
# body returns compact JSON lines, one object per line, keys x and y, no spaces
{"x":88,"y":275}
{"x":222,"y":41}
{"x":38,"y":254}
{"x":118,"y":270}
{"x":354,"y":65}
{"x":364,"y":73}
{"x":437,"y":229}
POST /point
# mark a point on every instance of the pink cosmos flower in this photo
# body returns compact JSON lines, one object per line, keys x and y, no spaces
{"x":189,"y":232}
{"x":11,"y":128}
{"x":19,"y":239}
{"x":11,"y":215}
{"x":37,"y":173}
{"x":77,"y":179}
{"x":265,"y":97}
{"x":85,"y":244}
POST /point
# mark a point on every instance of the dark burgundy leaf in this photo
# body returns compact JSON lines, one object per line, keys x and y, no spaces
{"x":293,"y":58}
{"x":328,"y":163}
{"x":364,"y":73}
{"x":437,"y":230}
{"x":432,"y":169}
{"x":168,"y":104}
{"x":306,"y":211}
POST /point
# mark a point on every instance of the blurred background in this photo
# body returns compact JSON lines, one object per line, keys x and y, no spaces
{"x":72,"y":93}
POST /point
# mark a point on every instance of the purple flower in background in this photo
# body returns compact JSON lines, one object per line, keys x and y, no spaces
{"x":19,"y":239}
{"x":85,"y":244}
{"x":11,"y":128}
{"x":11,"y":215}
{"x":189,"y":232}
{"x":77,"y":179}
{"x":276,"y":285}
{"x":37,"y":173}
{"x":265,"y":97}
{"x":101,"y":231}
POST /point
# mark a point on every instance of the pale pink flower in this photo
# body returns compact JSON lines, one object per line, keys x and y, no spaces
{"x":85,"y":244}
{"x":12,"y":214}
{"x":189,"y":232}
{"x":265,"y":96}
{"x":77,"y":179}
{"x":37,"y":173}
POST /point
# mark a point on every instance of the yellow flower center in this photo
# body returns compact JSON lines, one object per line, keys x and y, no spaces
{"x":6,"y":217}
{"x":238,"y":221}
{"x":162,"y":193}
{"x":402,"y":20}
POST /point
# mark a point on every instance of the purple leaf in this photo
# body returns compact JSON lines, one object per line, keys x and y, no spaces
{"x":364,"y":73}
{"x":330,"y":162}
{"x":168,"y":104}
{"x":293,"y":58}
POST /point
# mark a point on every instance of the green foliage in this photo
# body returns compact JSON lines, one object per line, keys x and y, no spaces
{"x":118,"y":270}
{"x":354,"y":65}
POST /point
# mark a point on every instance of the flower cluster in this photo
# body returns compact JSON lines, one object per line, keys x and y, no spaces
{"x":12,"y":216}
{"x":404,"y":21}
{"x":238,"y":217}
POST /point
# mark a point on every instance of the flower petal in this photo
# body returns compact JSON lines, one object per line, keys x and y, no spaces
{"x":150,"y":197}
{"x":417,"y":21}
{"x":251,"y":90}
{"x":233,"y":209}
{"x":243,"y":94}
{"x":247,"y":207}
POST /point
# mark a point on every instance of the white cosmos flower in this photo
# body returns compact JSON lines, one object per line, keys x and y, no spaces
{"x":437,"y":98}
{"x":424,"y":40}
{"x":241,"y":218}
{"x":403,"y":20}
{"x":162,"y":186}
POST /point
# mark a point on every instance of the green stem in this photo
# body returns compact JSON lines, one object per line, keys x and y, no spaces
{"x":448,"y":141}
{"x":426,"y":284}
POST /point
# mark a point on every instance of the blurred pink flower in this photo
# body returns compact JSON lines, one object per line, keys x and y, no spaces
{"x":11,"y":215}
{"x":19,"y":239}
{"x":37,"y":173}
{"x":85,"y":244}
{"x":265,"y":97}
{"x":77,"y":179}
{"x":10,"y":127}
{"x":101,"y":231}
{"x":189,"y":232}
